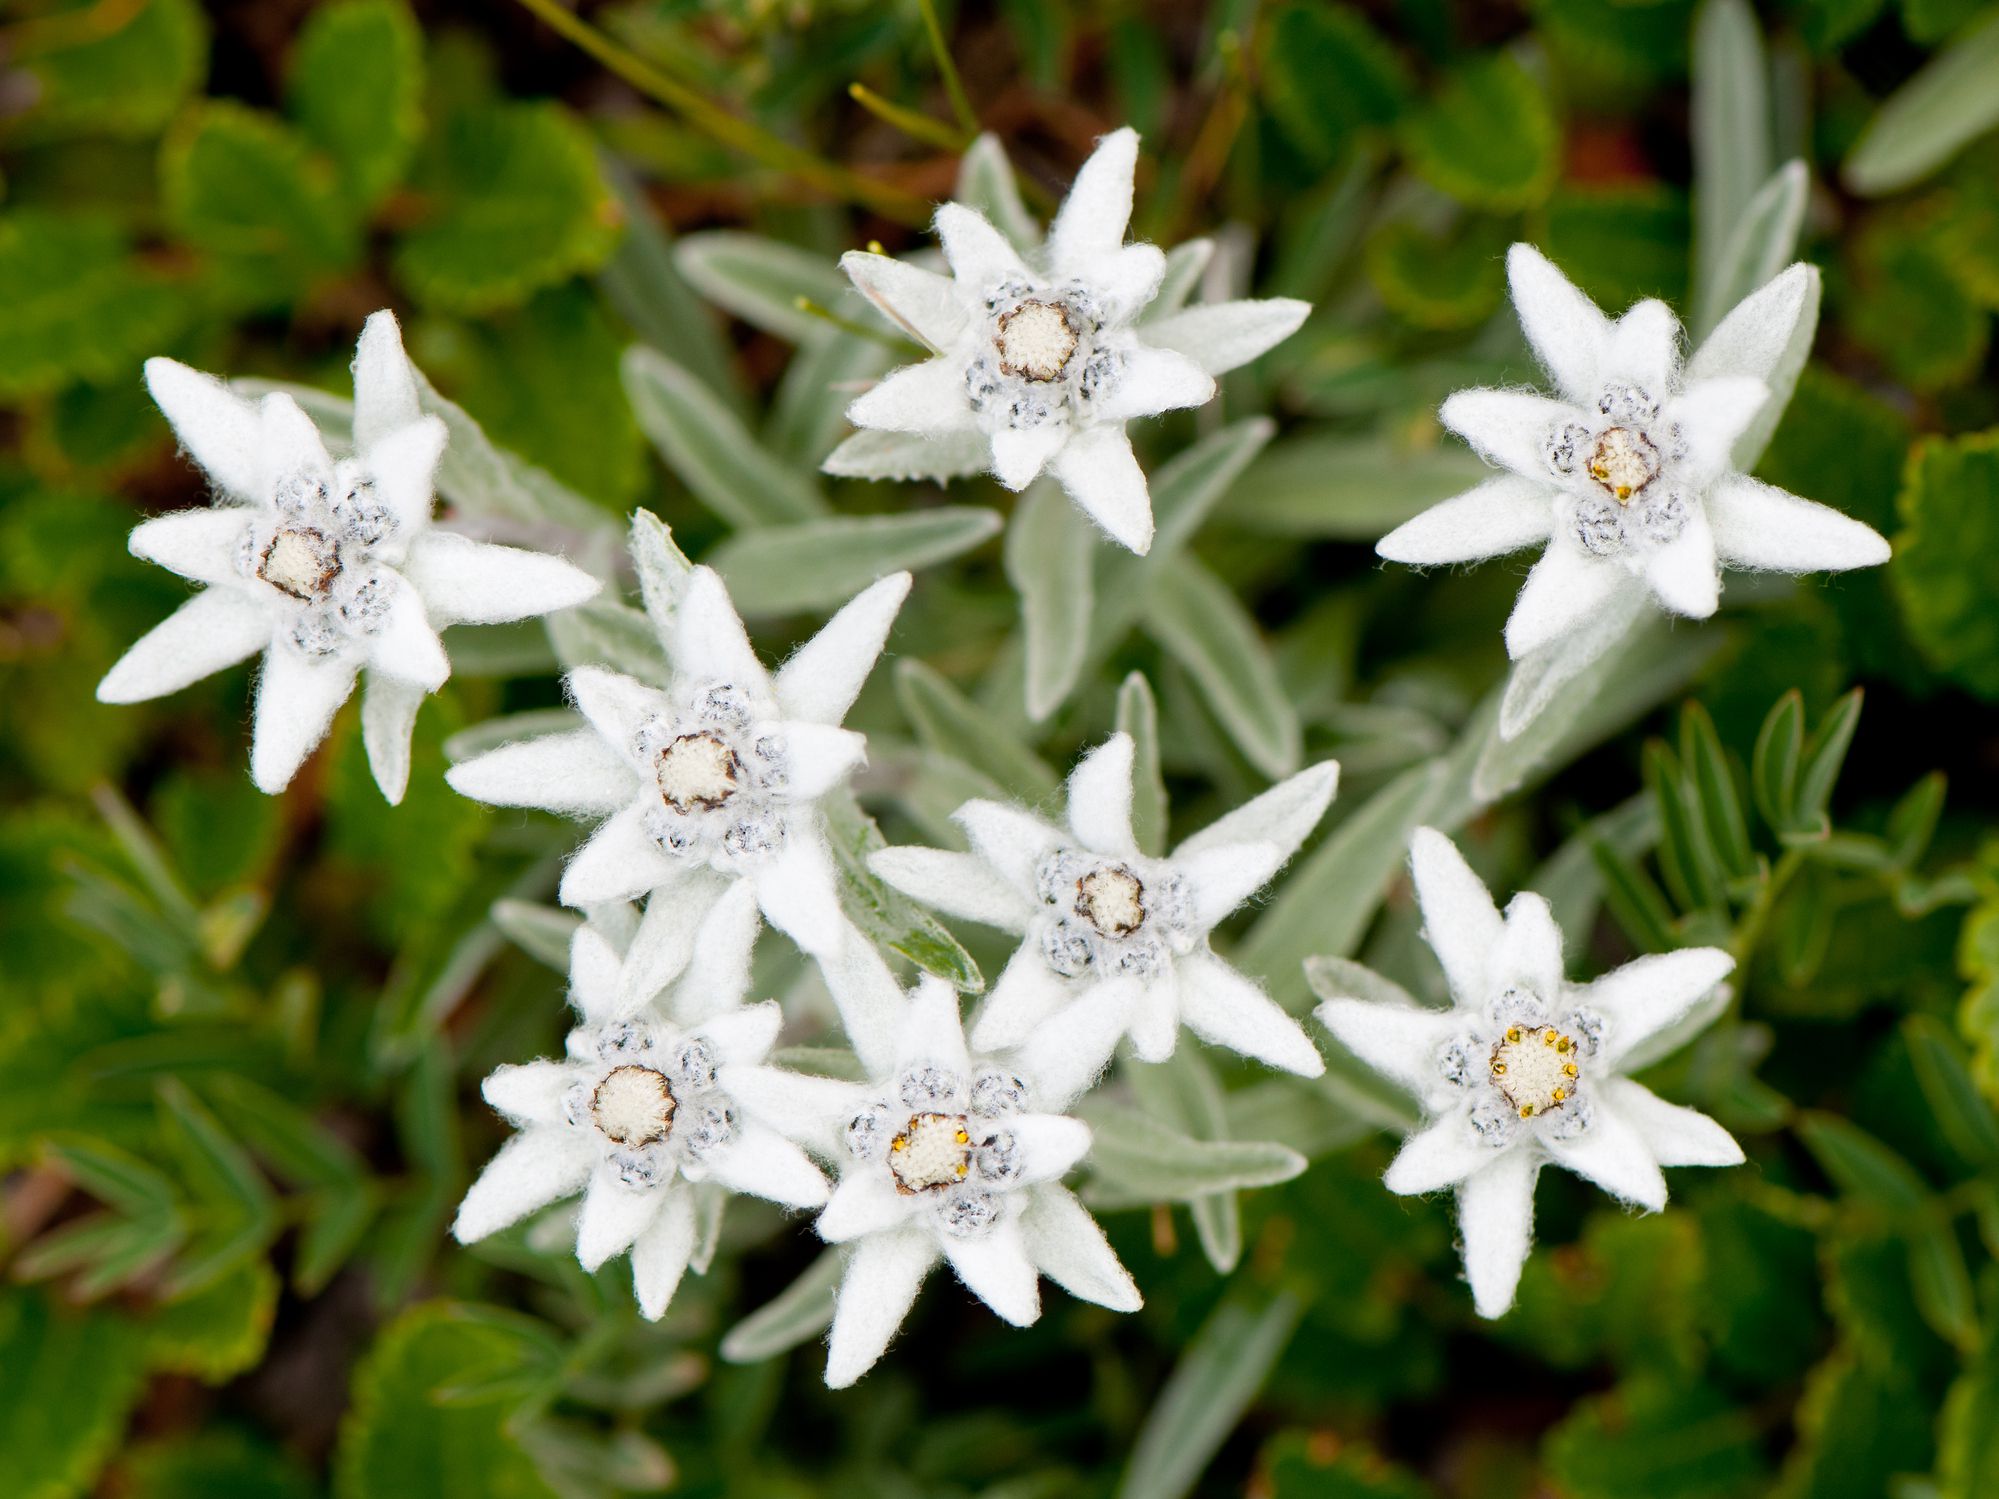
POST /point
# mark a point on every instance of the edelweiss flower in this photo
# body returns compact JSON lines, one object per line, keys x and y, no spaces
{"x":713,"y":781}
{"x":1525,"y":1067}
{"x":1104,"y":926}
{"x":328,"y":568}
{"x":1039,"y":356}
{"x":1630,"y":476}
{"x":642,"y":1116}
{"x":944,"y":1154}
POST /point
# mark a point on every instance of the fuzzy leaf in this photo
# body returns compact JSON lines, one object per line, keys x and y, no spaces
{"x":797,"y":1314}
{"x":1954,"y":98}
{"x":1137,"y":1160}
{"x":761,"y":280}
{"x":1733,"y":155}
{"x":1197,"y":621}
{"x":1049,"y":560}
{"x":820,"y":564}
{"x":884,"y":915}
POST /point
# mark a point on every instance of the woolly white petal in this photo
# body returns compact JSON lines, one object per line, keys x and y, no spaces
{"x":1460,"y":922}
{"x":531,"y":1171}
{"x":617,"y":707}
{"x":1711,"y":414}
{"x":1562,"y":591}
{"x":1093,"y":218}
{"x":664,"y":942}
{"x":995,"y":1267}
{"x":296,"y":701}
{"x":1398,"y":1041}
{"x":574,"y":772}
{"x":385,"y":390}
{"x":1221,"y":1006}
{"x":1501,"y":515}
{"x":1529,"y":950}
{"x":291,"y":441}
{"x":1050,"y":1144}
{"x":1220,"y":879}
{"x":1153,"y":1007}
{"x":1068,"y":1247}
{"x":957,"y":884}
{"x":661,"y":1253}
{"x":594,"y":966}
{"x":923,"y":398}
{"x":818,"y":757}
{"x":212,"y":631}
{"x":718,"y":968}
{"x":1506,"y":427}
{"x":764,"y":1164}
{"x":1102,"y":476}
{"x":1027,"y":993}
{"x":403,"y":644}
{"x":1013,"y":841}
{"x":1612,"y":1154}
{"x":1760,"y":526}
{"x":200,"y":545}
{"x":979,"y":255}
{"x":865,"y":1202}
{"x":476,"y":582}
{"x":933,"y":1034}
{"x":810,"y":1110}
{"x":1018,"y":457}
{"x":1282,"y":817}
{"x":873,"y":1009}
{"x":744,"y":1035}
{"x":1221,"y":336}
{"x":1496,"y":1220}
{"x":1441,"y":1154}
{"x":922,"y":303}
{"x":1648,"y":994}
{"x":388,"y":717}
{"x":1644,"y":347}
{"x":1125,"y":280}
{"x":528,"y":1094}
{"x":620,"y":862}
{"x":1752,"y":339}
{"x":1676,"y":1136}
{"x":796,"y":891}
{"x":1064,"y":1055}
{"x":824,"y":676}
{"x":709,"y":640}
{"x":1683,"y":574}
{"x":1100,"y":798}
{"x":883,"y":1276}
{"x":220,"y":430}
{"x":613,"y":1216}
{"x":404,"y":468}
{"x":1566,"y":330}
{"x":1152,"y":381}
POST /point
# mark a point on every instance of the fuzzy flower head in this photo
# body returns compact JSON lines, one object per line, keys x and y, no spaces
{"x":1105,"y":927}
{"x":327,"y":566}
{"x":1040,"y":357}
{"x":1526,"y":1068}
{"x":641,"y":1116}
{"x":942,"y":1154}
{"x":1631,"y":473}
{"x":712,"y":781}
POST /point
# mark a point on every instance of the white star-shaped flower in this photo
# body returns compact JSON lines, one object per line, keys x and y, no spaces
{"x":945,"y":1155}
{"x":1105,"y":927}
{"x":1525,"y":1067}
{"x":1040,"y":356}
{"x":642,"y":1116}
{"x":713,"y":781}
{"x":1629,"y":475}
{"x":328,"y":567}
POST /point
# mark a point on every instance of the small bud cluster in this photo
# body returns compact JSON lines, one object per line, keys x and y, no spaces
{"x":719,"y":776}
{"x":316,"y":554}
{"x":1043,"y":360}
{"x":1110,"y":917}
{"x":1523,"y":1066}
{"x":1618,"y":467}
{"x":649,"y":1097}
{"x":945,"y":1139}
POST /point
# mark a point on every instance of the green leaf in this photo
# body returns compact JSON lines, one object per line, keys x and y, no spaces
{"x":67,"y":1382}
{"x":1909,"y":307}
{"x":1761,"y":244}
{"x":820,"y":564}
{"x":1137,"y":1160}
{"x":1864,"y":1170}
{"x":1656,"y":1438}
{"x":1818,"y":770}
{"x":1303,"y":1466}
{"x":1713,"y":782}
{"x":1050,"y":562}
{"x":1942,"y":1283}
{"x":1733,"y":154}
{"x":1620,"y":242}
{"x":1328,"y":74}
{"x":661,"y":566}
{"x":1968,"y":1435}
{"x":1945,"y":569}
{"x":986,"y":181}
{"x":1349,"y":488}
{"x":1487,"y":137}
{"x":514,"y":201}
{"x":1773,"y":767}
{"x":213,"y":1464}
{"x":1634,"y":900}
{"x":1213,"y":1384}
{"x":1686,"y":858}
{"x":1184,"y":1093}
{"x":606,"y":633}
{"x":542,"y":932}
{"x":951,"y":723}
{"x":797,"y":1314}
{"x":1440,"y":283}
{"x":126,"y":75}
{"x":1860,"y":1424}
{"x":400,"y":1438}
{"x":217,"y":1333}
{"x":1954,"y":98}
{"x":1962,"y":1114}
{"x":1196,"y":619}
{"x":357,"y":92}
{"x":1138,"y":716}
{"x":884,"y":915}
{"x":79,"y":304}
{"x":761,"y":281}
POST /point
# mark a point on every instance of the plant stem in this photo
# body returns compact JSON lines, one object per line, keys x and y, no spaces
{"x":1749,"y":931}
{"x":719,"y":124}
{"x":910,"y":122}
{"x":954,"y":86}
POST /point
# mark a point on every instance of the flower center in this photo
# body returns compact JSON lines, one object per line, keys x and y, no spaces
{"x":697,"y":772}
{"x":1534,"y":1069}
{"x":1112,"y":900}
{"x":633,"y":1105}
{"x":1623,"y":462}
{"x":933,"y":1151}
{"x":301,"y":562}
{"x":1036,"y":340}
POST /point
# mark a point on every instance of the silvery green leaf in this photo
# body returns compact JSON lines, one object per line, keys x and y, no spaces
{"x":604,"y":632}
{"x":1049,"y":561}
{"x":927,"y":785}
{"x":714,"y":454}
{"x":986,"y":182}
{"x":820,"y":564}
{"x":908,"y":456}
{"x":809,"y":413}
{"x":1138,"y":716}
{"x":1136,"y":1160}
{"x":797,"y":1314}
{"x":1349,"y":488}
{"x":1951,"y":100}
{"x":762,"y":280}
{"x":1731,"y":127}
{"x":886,"y":917}
{"x":519,"y":648}
{"x":1314,"y":1116}
{"x":1759,"y":246}
{"x":1185,"y":264}
{"x":491,"y":733}
{"x":661,"y":566}
{"x":1326,"y":902}
{"x":948,"y":721}
{"x":481,"y":478}
{"x":1572,"y":879}
{"x":1538,"y":677}
{"x":1183,"y":1092}
{"x":542,"y":932}
{"x":1342,"y":978}
{"x":1196,"y":619}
